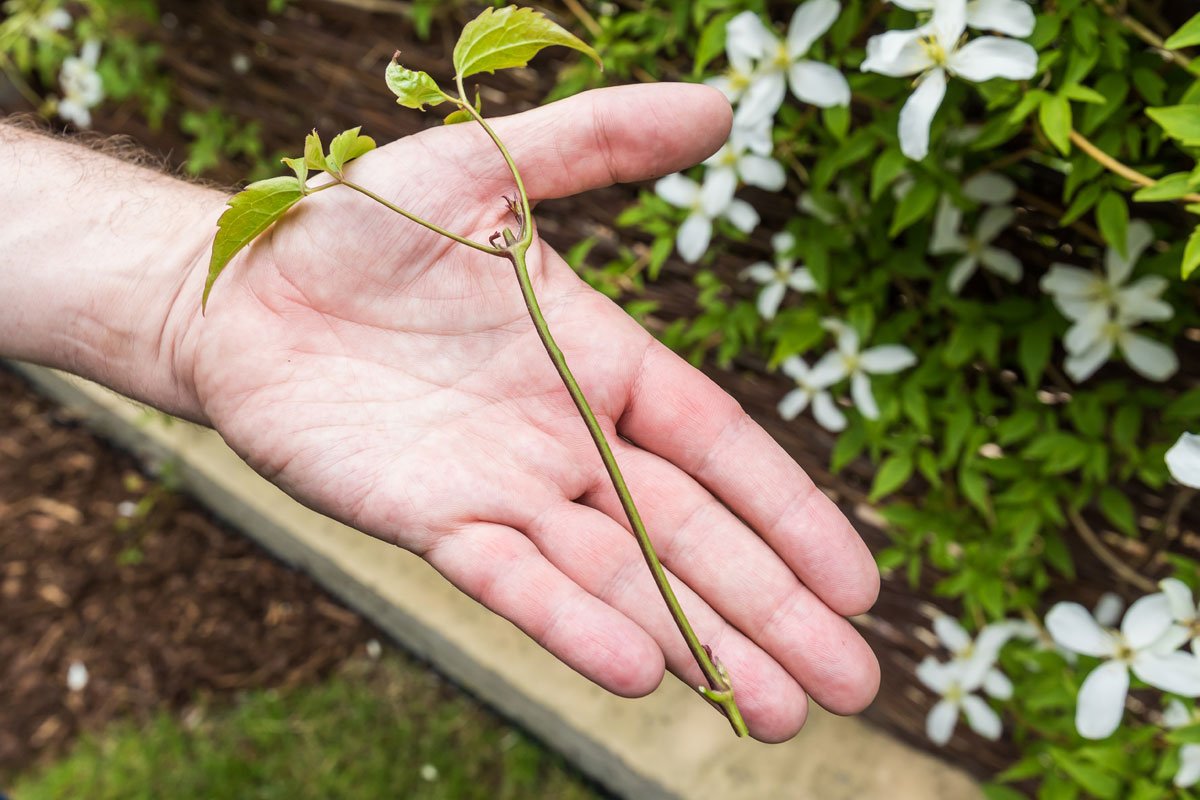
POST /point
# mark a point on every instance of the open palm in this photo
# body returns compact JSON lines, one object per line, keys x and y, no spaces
{"x":393,"y":380}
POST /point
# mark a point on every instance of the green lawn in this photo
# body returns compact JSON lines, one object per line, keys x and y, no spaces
{"x":386,"y":729}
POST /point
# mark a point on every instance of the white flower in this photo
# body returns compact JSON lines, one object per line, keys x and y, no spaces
{"x":956,"y":681}
{"x":781,"y":63}
{"x":1137,"y":647}
{"x":77,"y":676}
{"x":989,"y":188}
{"x":807,"y":391}
{"x":847,"y":361}
{"x":778,"y":278}
{"x":1184,"y":612}
{"x":934,"y":51}
{"x":82,"y":86}
{"x":1183,"y":460}
{"x":1107,"y":614}
{"x":746,"y":156}
{"x":705,"y":203}
{"x":980,"y":653}
{"x":1177,"y":715}
{"x":976,"y":248}
{"x":1011,"y":17}
{"x":429,"y":772}
{"x":1105,"y":310}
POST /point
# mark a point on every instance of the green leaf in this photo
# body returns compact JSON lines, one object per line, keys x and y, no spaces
{"x":300,"y":167}
{"x":890,"y":165}
{"x":1187,"y":35}
{"x":251,"y":211}
{"x":1180,"y":122}
{"x":347,"y":146}
{"x":914,"y":206}
{"x":1084,"y":94}
{"x":413,"y":89}
{"x":893,"y":473}
{"x":1055,"y":117}
{"x":509,"y":37}
{"x":1168,"y":187}
{"x":1119,"y":510}
{"x":1191,"y":255}
{"x":1035,"y":343}
{"x":462,"y":114}
{"x":314,"y":152}
{"x":1112,"y":216}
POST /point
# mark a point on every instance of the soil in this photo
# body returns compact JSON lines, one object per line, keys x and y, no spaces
{"x":102,"y":565}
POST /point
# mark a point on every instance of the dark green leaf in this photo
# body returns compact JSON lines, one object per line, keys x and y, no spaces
{"x":914,"y":206}
{"x":251,"y":211}
{"x":413,"y":89}
{"x":1118,"y":510}
{"x":509,"y":37}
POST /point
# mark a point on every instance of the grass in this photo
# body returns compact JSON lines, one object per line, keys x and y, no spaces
{"x":376,"y":730}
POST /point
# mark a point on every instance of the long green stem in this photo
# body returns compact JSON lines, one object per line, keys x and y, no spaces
{"x":483,"y":248}
{"x":719,"y":692}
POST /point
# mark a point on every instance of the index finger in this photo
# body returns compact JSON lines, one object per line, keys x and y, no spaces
{"x":677,"y":412}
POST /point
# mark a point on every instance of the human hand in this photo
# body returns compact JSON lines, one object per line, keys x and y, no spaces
{"x":392,"y":379}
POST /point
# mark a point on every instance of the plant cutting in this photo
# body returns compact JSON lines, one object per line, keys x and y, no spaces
{"x":496,"y":39}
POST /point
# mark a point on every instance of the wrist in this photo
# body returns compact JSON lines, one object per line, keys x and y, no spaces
{"x":98,"y":258}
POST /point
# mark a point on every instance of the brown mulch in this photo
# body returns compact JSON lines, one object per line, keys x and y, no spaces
{"x":158,"y":607}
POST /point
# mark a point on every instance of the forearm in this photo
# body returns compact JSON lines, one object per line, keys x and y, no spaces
{"x":98,"y":258}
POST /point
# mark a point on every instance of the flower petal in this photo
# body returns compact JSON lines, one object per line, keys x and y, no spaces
{"x":939,"y":725}
{"x":747,"y":36}
{"x":1176,"y":715}
{"x":802,"y":281}
{"x":1189,"y":766}
{"x":936,"y":675}
{"x":1183,"y":460}
{"x":1177,"y":673}
{"x":770,"y":298}
{"x":761,"y":100}
{"x":742,"y":215}
{"x":963,"y":269}
{"x":827,"y":414}
{"x":1148,"y":358}
{"x":947,"y":224}
{"x":1081,"y":366}
{"x":1002,"y":263}
{"x":693,"y":237}
{"x":1101,"y":702}
{"x":1179,"y":599}
{"x":1118,"y":267}
{"x":819,"y":84}
{"x":992,"y":57}
{"x":765,"y":173}
{"x":793,"y":403}
{"x":1141,"y":301}
{"x":795,"y":368}
{"x":949,"y":21}
{"x":997,"y":685}
{"x":754,"y":138}
{"x":864,"y":399}
{"x":761,"y":272}
{"x":1074,"y":628}
{"x":717,"y":190}
{"x":917,"y":114}
{"x":809,"y":22}
{"x":990,"y":188}
{"x":1146,"y":620}
{"x":897,"y":54}
{"x":1108,"y":609}
{"x":783,"y":243}
{"x":952,"y":635}
{"x":980,"y":716}
{"x":678,"y":190}
{"x":993,"y":222}
{"x":1088,"y":330}
{"x":829,"y":369}
{"x":886,"y":359}
{"x":1010,"y":17}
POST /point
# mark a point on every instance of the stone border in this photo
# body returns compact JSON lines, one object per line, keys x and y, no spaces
{"x":669,"y":745}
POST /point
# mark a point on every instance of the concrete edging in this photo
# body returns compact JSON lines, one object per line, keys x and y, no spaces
{"x":668,"y":745}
